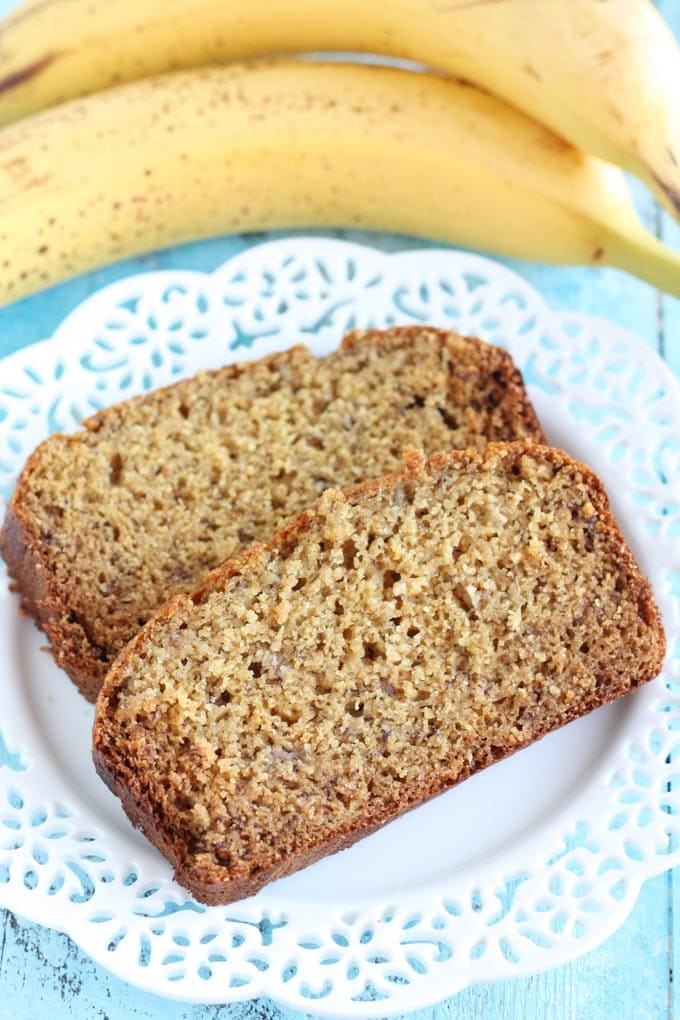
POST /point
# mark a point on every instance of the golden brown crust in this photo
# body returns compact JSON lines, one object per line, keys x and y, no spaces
{"x":505,"y":383}
{"x":212,"y":882}
{"x":58,"y":606}
{"x":213,"y":885}
{"x":48,"y":605}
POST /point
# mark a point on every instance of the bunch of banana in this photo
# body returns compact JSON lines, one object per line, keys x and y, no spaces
{"x":265,"y":145}
{"x":293,"y":143}
{"x":603,"y":74}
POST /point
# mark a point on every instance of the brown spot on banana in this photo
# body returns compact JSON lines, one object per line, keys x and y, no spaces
{"x":16,"y":167}
{"x":672,"y":193}
{"x":24,"y":74}
{"x":598,"y":254}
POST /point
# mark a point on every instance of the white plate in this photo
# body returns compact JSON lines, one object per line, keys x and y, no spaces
{"x":522,"y":867}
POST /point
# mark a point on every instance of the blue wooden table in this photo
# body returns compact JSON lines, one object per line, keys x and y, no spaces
{"x":44,"y":975}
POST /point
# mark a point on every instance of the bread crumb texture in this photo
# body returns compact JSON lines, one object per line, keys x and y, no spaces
{"x":107,"y":524}
{"x":385,"y":645}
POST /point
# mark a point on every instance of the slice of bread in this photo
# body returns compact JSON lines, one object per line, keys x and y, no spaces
{"x":107,"y":524}
{"x":383,"y":646}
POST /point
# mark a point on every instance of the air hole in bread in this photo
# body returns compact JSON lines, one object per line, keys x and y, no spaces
{"x":390,"y":578}
{"x":373,"y":650}
{"x":448,"y":419}
{"x":349,"y":551}
{"x":116,"y":469}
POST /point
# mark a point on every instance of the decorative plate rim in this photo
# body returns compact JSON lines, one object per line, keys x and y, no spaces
{"x":533,"y":347}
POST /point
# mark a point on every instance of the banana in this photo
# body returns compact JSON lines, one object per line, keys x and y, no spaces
{"x":603,"y":74}
{"x":300,"y":144}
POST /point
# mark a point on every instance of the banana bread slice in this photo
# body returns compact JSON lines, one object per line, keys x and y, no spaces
{"x":107,"y":524}
{"x":383,"y":646}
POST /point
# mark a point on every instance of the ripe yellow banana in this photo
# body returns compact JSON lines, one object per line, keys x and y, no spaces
{"x":603,"y":74}
{"x":298,"y":144}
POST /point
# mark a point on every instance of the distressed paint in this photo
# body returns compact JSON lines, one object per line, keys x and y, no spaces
{"x":44,"y":976}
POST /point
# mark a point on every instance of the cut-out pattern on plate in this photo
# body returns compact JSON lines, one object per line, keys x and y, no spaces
{"x":528,"y":894}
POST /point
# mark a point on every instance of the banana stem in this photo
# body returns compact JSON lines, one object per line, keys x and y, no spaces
{"x":644,"y":256}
